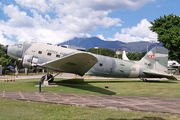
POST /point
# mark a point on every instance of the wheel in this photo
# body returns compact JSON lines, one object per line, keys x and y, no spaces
{"x":52,"y":78}
{"x":144,"y":80}
{"x":42,"y":79}
{"x":48,"y":77}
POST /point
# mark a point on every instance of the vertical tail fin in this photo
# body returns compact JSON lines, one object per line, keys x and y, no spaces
{"x":156,"y":58}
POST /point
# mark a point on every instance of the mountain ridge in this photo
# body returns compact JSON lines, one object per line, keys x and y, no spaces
{"x":92,"y":42}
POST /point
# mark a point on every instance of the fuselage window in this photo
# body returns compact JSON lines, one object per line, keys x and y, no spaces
{"x":40,"y":52}
{"x":49,"y":54}
{"x":64,"y":46}
{"x":58,"y":56}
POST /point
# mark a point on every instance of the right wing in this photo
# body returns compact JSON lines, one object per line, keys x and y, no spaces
{"x":78,"y":63}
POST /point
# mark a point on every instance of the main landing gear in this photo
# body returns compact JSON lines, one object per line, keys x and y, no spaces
{"x":144,"y":80}
{"x":48,"y":78}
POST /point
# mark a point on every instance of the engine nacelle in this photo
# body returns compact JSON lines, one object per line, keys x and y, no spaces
{"x":29,"y":61}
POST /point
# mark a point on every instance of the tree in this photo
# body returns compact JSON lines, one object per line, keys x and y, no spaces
{"x":136,"y":57}
{"x":102,"y":51}
{"x":5,"y":60}
{"x":130,"y":55}
{"x":111,"y":53}
{"x":168,"y":30}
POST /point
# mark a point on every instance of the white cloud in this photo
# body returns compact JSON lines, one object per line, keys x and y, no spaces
{"x":141,"y":32}
{"x":70,"y":18}
{"x":118,"y":24}
{"x":115,"y":4}
{"x":17,"y":18}
{"x":101,"y":37}
{"x":71,"y":5}
{"x":5,"y":41}
{"x":158,"y":6}
{"x":128,"y":38}
{"x":40,"y":5}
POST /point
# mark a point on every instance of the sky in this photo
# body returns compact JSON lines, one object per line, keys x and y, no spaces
{"x":57,"y":21}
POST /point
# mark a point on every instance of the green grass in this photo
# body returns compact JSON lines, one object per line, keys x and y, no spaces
{"x":14,"y":109}
{"x":89,"y":86}
{"x":23,"y":110}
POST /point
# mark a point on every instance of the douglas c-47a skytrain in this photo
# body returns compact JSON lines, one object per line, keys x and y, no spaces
{"x":60,"y":59}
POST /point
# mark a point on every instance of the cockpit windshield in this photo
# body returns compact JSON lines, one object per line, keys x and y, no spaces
{"x":18,"y":45}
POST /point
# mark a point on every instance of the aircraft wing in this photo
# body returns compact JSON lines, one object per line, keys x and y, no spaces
{"x":171,"y":77}
{"x":78,"y":63}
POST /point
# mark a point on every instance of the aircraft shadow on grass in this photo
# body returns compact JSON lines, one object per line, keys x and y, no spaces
{"x":133,"y":81}
{"x":84,"y":85}
{"x":81,"y":84}
{"x":144,"y":118}
{"x":76,"y":81}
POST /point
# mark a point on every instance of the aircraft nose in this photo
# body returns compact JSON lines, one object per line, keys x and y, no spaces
{"x":5,"y":49}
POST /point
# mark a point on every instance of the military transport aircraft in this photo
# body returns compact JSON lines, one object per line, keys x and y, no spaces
{"x":60,"y":59}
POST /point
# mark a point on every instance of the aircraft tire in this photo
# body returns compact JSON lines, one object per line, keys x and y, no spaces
{"x":42,"y":79}
{"x":48,"y":77}
{"x":144,"y":80}
{"x":52,"y":78}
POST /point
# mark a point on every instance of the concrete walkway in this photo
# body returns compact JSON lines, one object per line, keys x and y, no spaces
{"x":145,"y":104}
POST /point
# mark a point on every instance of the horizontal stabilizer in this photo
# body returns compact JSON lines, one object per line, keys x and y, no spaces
{"x":171,"y":77}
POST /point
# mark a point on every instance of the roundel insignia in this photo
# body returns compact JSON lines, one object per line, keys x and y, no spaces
{"x":151,"y":56}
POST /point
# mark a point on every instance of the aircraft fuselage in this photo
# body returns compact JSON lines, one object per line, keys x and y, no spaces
{"x":45,"y":56}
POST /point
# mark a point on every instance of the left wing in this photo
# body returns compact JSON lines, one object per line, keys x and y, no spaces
{"x":171,"y":77}
{"x":78,"y":63}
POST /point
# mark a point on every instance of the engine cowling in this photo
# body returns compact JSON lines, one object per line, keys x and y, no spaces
{"x":29,"y":61}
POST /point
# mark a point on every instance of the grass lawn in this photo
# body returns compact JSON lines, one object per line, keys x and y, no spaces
{"x":18,"y":110}
{"x":91,"y":86}
{"x":14,"y":109}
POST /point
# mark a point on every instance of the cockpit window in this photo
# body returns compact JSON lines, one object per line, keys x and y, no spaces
{"x":18,"y":45}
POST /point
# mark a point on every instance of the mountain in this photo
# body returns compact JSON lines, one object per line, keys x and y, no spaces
{"x":113,"y":45}
{"x":92,"y":42}
{"x":140,"y":46}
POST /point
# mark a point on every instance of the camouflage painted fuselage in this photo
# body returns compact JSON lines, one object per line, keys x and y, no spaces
{"x":112,"y":67}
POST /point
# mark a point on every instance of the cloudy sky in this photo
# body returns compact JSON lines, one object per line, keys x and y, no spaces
{"x":56,"y":21}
